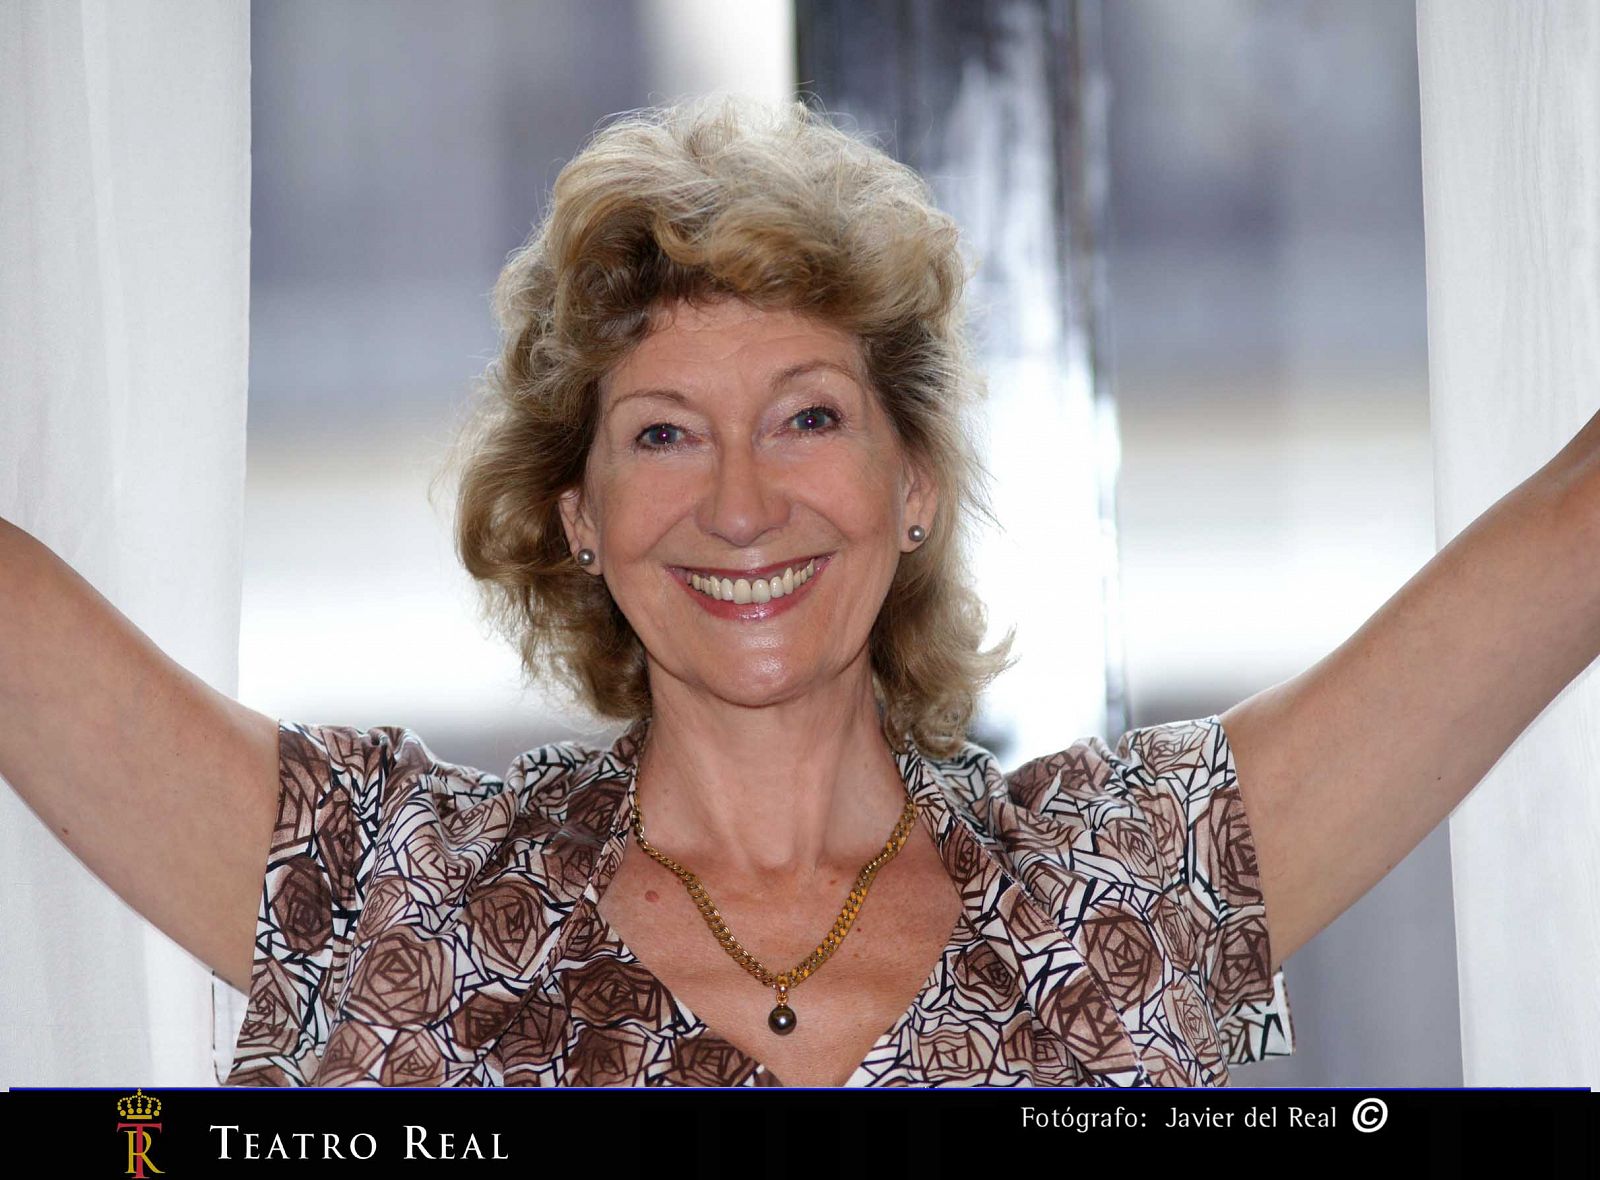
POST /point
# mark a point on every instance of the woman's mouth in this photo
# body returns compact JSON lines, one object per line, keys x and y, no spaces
{"x":753,"y":594}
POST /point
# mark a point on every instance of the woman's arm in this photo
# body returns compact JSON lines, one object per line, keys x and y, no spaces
{"x":164,"y":787}
{"x":1346,"y":767}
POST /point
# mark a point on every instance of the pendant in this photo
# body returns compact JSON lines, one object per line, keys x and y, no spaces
{"x":782,"y":1019}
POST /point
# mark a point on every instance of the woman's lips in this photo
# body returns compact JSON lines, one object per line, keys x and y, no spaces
{"x":765,"y":571}
{"x":750,"y":611}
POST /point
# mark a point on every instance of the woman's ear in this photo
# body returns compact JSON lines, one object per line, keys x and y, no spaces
{"x":575,"y":523}
{"x":922,"y":502}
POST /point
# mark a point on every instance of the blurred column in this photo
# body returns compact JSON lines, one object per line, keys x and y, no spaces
{"x":696,"y":46}
{"x":1511,"y":196}
{"x":124,"y":268}
{"x":1001,"y":105}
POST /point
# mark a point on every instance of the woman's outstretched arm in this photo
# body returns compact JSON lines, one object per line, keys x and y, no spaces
{"x":164,"y":787}
{"x":1346,"y":767}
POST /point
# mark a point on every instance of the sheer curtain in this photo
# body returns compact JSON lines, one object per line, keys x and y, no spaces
{"x":1511,"y":186}
{"x":124,"y":267}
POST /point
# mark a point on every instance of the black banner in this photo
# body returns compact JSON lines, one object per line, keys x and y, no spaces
{"x":899,"y":1132}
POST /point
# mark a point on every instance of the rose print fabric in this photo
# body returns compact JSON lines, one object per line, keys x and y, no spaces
{"x":433,"y":925}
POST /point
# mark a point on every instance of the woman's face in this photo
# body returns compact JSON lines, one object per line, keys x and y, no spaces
{"x":739,"y":442}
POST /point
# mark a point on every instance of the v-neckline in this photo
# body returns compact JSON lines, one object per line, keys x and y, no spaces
{"x":887,"y":1037}
{"x":622,"y":832}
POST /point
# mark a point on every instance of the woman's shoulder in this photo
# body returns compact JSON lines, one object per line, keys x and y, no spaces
{"x":1160,"y":806}
{"x":1144,"y":840}
{"x":382,"y":857}
{"x":1179,"y":760}
{"x":384,"y":765}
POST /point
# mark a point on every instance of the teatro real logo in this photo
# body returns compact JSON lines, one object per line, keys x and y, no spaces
{"x":137,"y":1114}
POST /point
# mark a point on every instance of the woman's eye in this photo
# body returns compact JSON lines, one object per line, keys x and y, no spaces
{"x":663,"y":436}
{"x":658,"y":437}
{"x":816,"y":419}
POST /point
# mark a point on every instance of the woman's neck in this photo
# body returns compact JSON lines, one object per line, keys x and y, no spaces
{"x":773,"y":798}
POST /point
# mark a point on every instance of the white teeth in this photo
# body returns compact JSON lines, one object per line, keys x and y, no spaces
{"x":757,"y":590}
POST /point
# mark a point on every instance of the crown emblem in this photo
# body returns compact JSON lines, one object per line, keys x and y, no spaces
{"x":139,"y":1106}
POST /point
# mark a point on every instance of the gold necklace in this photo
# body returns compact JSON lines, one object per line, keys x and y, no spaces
{"x":782,"y":1018}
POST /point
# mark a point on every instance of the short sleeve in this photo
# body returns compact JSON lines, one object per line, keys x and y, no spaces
{"x":341,"y":791}
{"x":1183,"y":777}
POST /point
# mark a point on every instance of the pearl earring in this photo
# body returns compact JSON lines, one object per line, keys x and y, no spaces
{"x":585,"y":557}
{"x":917,"y":533}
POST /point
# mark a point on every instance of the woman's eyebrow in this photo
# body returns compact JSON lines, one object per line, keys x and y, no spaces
{"x":779,"y":378}
{"x":670,"y":394}
{"x":805,"y":367}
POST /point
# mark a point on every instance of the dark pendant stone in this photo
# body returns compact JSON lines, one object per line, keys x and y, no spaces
{"x":782,"y":1020}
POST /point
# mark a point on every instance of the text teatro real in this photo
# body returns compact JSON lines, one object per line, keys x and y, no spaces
{"x":420,"y":1144}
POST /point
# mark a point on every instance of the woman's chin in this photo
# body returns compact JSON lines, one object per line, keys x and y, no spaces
{"x":751,"y":687}
{"x":758,"y":693}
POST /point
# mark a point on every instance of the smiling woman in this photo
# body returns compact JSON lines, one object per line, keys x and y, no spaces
{"x":704,"y":276}
{"x":720,"y":484}
{"x":747,"y":483}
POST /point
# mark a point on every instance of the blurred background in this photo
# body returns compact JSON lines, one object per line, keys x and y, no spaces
{"x":1261,"y":327}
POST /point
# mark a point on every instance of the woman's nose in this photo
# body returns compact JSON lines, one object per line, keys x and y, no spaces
{"x":745,"y":499}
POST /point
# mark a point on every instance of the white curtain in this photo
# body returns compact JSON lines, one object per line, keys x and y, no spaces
{"x":1511,"y":201}
{"x":124,"y":272}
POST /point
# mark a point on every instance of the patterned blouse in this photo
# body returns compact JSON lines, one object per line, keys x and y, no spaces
{"x":427,"y":924}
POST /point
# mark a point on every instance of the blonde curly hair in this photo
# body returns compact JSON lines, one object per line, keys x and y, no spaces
{"x":778,"y":207}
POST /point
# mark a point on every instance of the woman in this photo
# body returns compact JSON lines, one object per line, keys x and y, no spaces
{"x":720,"y":485}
